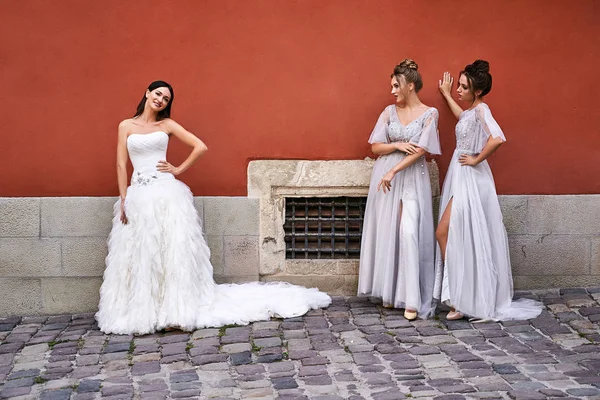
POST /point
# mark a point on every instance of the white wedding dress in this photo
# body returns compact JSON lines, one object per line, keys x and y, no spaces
{"x":158,"y":272}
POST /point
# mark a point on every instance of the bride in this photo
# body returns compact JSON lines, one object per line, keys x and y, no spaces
{"x":158,"y":273}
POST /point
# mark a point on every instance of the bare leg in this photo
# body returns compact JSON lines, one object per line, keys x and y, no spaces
{"x":441,"y":234}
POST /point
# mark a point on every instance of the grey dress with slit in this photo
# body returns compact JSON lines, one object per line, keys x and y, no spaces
{"x":397,"y":248}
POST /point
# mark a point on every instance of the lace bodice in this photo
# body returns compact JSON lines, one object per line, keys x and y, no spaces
{"x":397,"y":132}
{"x":145,"y":151}
{"x":422,"y":131}
{"x":473,"y":129}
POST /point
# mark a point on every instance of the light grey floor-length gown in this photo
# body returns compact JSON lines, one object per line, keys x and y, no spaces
{"x":476,"y":276}
{"x":158,"y":271}
{"x":397,"y":248}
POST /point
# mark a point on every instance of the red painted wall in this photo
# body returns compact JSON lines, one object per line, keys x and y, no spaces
{"x":288,"y":79}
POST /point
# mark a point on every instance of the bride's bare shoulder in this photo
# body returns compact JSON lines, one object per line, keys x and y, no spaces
{"x":125,"y":127}
{"x":126,"y":124}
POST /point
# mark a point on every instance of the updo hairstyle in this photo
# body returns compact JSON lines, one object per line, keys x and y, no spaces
{"x":409,"y":70}
{"x":479,"y":77}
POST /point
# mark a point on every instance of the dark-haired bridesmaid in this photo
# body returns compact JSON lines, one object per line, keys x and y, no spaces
{"x":473,"y":263}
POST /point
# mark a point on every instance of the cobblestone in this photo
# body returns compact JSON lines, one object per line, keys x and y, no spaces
{"x":355,"y":349}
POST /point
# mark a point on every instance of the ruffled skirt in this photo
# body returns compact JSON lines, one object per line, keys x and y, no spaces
{"x":158,"y":272}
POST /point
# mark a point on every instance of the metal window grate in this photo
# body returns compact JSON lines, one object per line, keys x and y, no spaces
{"x":323,"y":227}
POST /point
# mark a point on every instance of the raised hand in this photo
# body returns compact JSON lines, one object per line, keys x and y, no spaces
{"x":164,"y":166}
{"x":406,"y":147}
{"x":445,"y":84}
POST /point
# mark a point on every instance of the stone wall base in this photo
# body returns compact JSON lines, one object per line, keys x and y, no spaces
{"x":52,"y":250}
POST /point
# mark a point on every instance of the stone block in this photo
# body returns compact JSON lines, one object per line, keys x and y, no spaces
{"x":311,"y":267}
{"x":215,"y":243}
{"x":199,"y":205}
{"x":595,"y":262}
{"x":76,"y":216}
{"x":550,"y":255}
{"x":19,"y":216}
{"x":20,"y":296}
{"x":241,"y":255}
{"x":70,"y":295}
{"x":264,"y":174}
{"x":29,"y":257}
{"x":331,"y":284}
{"x":220,"y":279}
{"x":522,"y":282}
{"x":564,"y":214}
{"x":348,"y":267}
{"x":271,"y":181}
{"x":350,"y":287}
{"x":231,"y":216}
{"x":326,"y":283}
{"x":84,"y":256}
{"x":514,"y":212}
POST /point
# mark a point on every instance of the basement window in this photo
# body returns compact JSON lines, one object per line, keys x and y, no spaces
{"x":323,"y":227}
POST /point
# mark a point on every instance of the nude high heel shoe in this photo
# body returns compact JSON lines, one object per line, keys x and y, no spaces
{"x":454,"y":315}
{"x":410,"y":315}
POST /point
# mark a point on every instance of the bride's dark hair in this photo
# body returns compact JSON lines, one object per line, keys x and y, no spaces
{"x":166,"y":112}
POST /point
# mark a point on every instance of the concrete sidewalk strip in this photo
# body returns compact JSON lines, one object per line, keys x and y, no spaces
{"x":355,"y":349}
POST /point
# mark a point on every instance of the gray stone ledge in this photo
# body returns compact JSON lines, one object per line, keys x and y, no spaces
{"x":240,"y":254}
{"x":272,"y":181}
{"x":19,"y":217}
{"x":30,"y":257}
{"x":215,"y":243}
{"x":595,"y":263}
{"x":83,"y":256}
{"x":321,"y":267}
{"x":220,"y":279}
{"x":52,"y":250}
{"x":20,"y":296}
{"x":523,"y":282}
{"x":70,"y":295}
{"x":230,"y":216}
{"x":564,"y":214}
{"x":550,"y":254}
{"x":514,"y":211}
{"x":332,"y":284}
{"x":76,"y":216}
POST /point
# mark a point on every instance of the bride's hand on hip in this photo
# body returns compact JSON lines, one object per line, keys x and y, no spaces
{"x":164,"y":166}
{"x":386,"y":182}
{"x":123,"y":215}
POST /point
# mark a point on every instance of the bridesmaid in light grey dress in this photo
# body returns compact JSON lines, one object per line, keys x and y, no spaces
{"x":397,"y":249}
{"x":473,"y":263}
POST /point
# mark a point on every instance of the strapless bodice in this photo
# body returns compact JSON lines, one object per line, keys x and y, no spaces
{"x":145,"y":151}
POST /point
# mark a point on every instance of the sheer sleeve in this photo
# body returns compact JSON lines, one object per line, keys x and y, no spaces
{"x":429,"y":139}
{"x":379,"y":134}
{"x":488,"y":123}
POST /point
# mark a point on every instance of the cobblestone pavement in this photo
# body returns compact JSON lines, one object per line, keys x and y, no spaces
{"x":353,"y":350}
